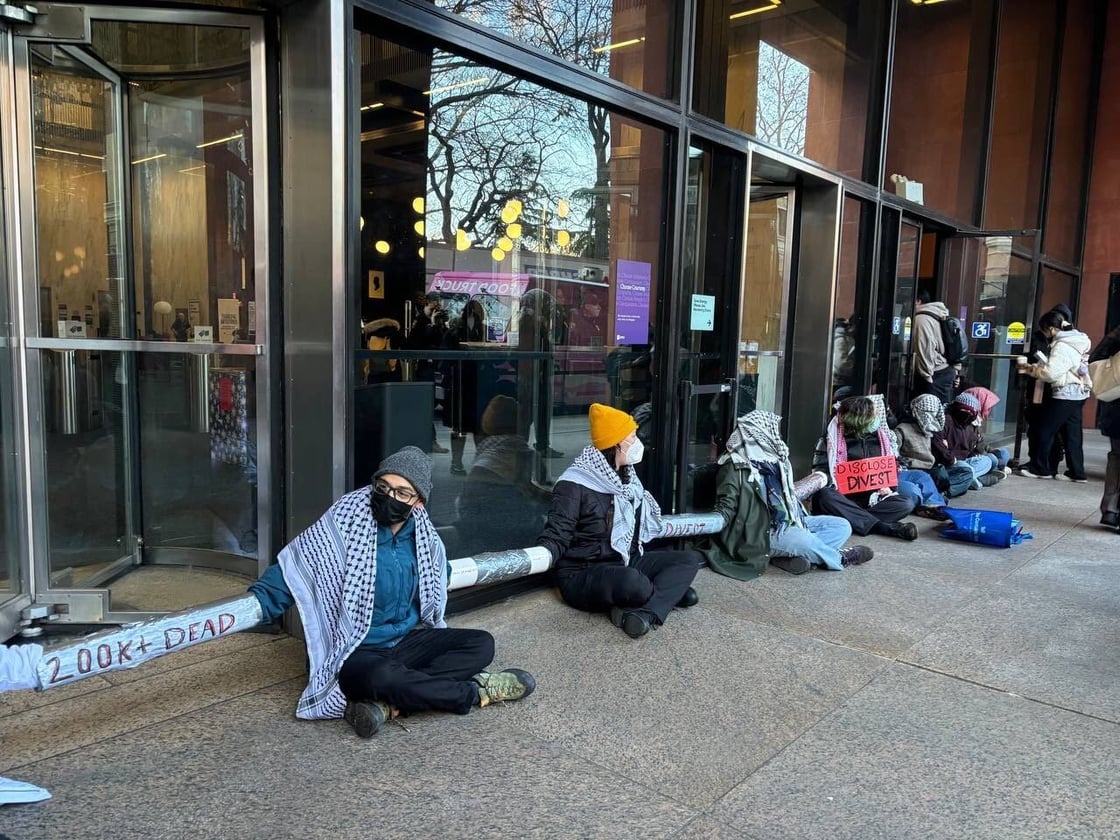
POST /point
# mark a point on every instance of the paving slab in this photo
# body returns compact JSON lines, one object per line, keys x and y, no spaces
{"x":248,"y":768}
{"x":87,"y":719}
{"x":688,"y":710}
{"x":1050,"y":630}
{"x":920,"y":755}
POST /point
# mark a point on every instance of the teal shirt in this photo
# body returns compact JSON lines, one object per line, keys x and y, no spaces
{"x":396,"y":593}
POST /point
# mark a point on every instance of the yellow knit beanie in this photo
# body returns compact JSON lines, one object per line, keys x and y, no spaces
{"x":609,"y":426}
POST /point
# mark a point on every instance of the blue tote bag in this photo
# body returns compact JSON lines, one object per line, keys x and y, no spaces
{"x":985,"y":527}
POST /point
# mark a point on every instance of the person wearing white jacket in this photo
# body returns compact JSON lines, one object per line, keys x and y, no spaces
{"x":1066,"y":368}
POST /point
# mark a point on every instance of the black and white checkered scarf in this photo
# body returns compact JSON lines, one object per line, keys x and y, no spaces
{"x":330,"y":569}
{"x":591,"y":470}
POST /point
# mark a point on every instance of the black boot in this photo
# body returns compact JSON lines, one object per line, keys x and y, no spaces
{"x":458,"y":444}
{"x":688,"y":599}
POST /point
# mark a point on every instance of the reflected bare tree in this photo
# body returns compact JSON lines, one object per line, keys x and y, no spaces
{"x":783,"y":99}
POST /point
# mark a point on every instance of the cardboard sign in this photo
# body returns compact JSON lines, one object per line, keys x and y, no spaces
{"x":867,"y":474}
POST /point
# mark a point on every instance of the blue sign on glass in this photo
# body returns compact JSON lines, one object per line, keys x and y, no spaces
{"x":981,"y":329}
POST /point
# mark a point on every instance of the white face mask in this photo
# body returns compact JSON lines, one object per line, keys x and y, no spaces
{"x":635,"y":452}
{"x":470,"y":320}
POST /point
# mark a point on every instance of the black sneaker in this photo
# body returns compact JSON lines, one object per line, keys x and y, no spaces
{"x":856,"y":555}
{"x":633,"y":624}
{"x":688,"y":599}
{"x":793,"y":565}
{"x":366,"y":718}
{"x":1112,"y":520}
{"x":931,"y":512}
{"x":904,"y":531}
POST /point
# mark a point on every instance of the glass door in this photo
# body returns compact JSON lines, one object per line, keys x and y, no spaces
{"x":894,"y":319}
{"x":145,"y":311}
{"x":764,"y":303}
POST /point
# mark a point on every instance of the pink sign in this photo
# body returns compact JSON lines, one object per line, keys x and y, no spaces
{"x":479,"y":282}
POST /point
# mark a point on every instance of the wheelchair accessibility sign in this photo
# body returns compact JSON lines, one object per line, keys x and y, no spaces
{"x":981,"y":329}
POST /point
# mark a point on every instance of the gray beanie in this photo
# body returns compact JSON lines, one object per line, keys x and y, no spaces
{"x":412,"y":463}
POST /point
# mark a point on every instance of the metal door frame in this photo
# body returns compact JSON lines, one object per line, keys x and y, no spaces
{"x":92,"y":605}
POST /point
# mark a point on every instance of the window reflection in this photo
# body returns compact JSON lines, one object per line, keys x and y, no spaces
{"x":510,"y":253}
{"x":937,"y":95}
{"x":846,"y":322}
{"x":635,"y":42}
{"x":798,"y":76}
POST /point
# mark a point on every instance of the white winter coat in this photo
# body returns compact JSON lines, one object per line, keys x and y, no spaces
{"x":1069,"y":354}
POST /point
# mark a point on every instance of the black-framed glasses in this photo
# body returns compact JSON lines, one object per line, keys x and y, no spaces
{"x":401,"y":494}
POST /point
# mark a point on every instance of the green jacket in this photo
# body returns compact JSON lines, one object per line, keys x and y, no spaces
{"x":742,"y":549}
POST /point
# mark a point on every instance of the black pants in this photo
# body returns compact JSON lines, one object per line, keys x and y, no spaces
{"x":941,"y":387}
{"x":1061,"y":417}
{"x":1035,"y":413}
{"x":429,"y":669}
{"x":831,"y":502}
{"x":653,"y":585}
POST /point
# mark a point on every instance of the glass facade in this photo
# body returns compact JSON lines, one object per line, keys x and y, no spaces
{"x":512,"y":238}
{"x":936,"y":123}
{"x":801,"y":77}
{"x":1023,"y":81}
{"x":635,"y":42}
{"x":1070,"y":155}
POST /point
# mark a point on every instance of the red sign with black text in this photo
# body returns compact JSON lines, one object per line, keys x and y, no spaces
{"x":867,"y":474}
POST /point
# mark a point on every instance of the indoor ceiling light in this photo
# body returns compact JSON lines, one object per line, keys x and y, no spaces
{"x":236,"y":136}
{"x":618,"y":45}
{"x":773,"y":4}
{"x":481,"y":80}
{"x":373,"y":106}
{"x":152,"y":157}
{"x":381,"y":246}
{"x":418,"y":204}
{"x":497,"y":254}
{"x":926,"y":2}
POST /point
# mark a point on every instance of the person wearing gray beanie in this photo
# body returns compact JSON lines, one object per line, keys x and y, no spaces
{"x":373,"y":658}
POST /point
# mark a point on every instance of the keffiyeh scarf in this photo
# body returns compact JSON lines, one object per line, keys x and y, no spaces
{"x":330,"y":569}
{"x":838,"y":447}
{"x":758,"y":439}
{"x":591,"y":470}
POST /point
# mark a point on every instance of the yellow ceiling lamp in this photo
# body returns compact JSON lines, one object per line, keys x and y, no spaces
{"x":506,"y":244}
{"x":462,"y":242}
{"x":618,"y":45}
{"x":419,"y":227}
{"x":498,"y":254}
{"x":563,"y":208}
{"x":418,"y":205}
{"x":511,"y":211}
{"x":926,"y":2}
{"x":381,"y":246}
{"x":513,"y":231}
{"x":768,"y":7}
{"x":563,"y":238}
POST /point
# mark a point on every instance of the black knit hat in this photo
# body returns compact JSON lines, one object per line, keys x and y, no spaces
{"x":411,"y":463}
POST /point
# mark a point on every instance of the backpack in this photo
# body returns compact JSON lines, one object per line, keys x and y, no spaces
{"x":953,"y":337}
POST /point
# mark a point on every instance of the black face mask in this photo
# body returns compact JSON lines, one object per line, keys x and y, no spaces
{"x":387,"y":510}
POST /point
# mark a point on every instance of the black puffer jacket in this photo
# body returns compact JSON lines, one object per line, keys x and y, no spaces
{"x":1108,"y":413}
{"x":578,"y":530}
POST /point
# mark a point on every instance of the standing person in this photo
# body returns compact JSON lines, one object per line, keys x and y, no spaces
{"x":1040,"y":398}
{"x":534,"y":376}
{"x":598,"y":525}
{"x":856,"y":432}
{"x":585,"y":329}
{"x":1066,"y":370}
{"x":1108,"y":421}
{"x":932,"y":373}
{"x":427,"y":334}
{"x":757,"y":455}
{"x":370,"y":581}
{"x":461,"y":409}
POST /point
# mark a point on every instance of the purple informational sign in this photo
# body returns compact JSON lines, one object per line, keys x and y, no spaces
{"x":631,"y":310}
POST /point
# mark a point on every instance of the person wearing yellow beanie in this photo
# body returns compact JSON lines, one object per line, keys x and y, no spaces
{"x":599,"y":522}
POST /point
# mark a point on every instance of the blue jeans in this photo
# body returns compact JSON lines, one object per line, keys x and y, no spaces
{"x":819,"y":541}
{"x":918,"y":485}
{"x":980,"y":465}
{"x":1003,"y":456}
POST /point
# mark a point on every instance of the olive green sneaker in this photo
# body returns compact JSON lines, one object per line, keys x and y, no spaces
{"x":511,"y":684}
{"x":367,"y":718}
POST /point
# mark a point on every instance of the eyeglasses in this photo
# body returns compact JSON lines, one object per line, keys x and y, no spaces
{"x":401,"y":494}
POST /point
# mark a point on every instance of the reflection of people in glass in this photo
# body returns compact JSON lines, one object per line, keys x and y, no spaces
{"x":534,"y":376}
{"x":382,"y":334}
{"x":585,"y":328}
{"x":378,"y":644}
{"x":461,"y":387}
{"x":499,"y":483}
{"x":181,"y":326}
{"x":843,"y":352}
{"x":599,"y":522}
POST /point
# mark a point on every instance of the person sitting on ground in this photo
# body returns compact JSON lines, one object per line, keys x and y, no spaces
{"x":599,"y":522}
{"x":916,"y":446}
{"x":370,"y":582}
{"x":988,"y":400}
{"x":857,"y":432}
{"x":960,"y":442}
{"x":756,"y":465}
